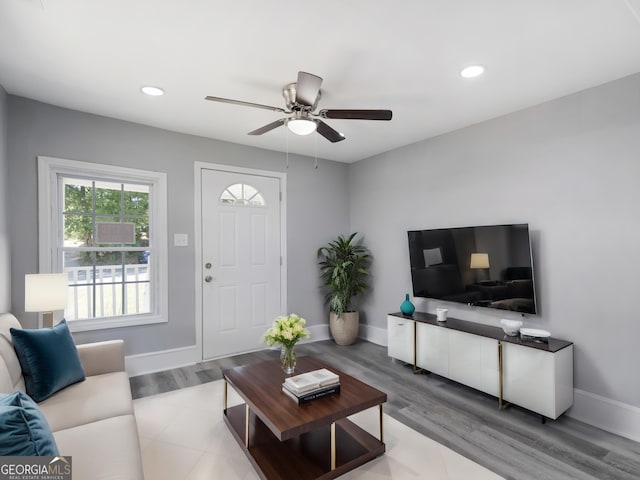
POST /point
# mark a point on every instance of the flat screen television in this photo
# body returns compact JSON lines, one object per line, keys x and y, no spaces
{"x":488,"y":266}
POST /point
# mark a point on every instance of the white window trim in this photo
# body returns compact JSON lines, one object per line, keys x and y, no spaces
{"x":48,"y":170}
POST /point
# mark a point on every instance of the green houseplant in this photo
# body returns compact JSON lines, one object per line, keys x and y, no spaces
{"x":343,"y":270}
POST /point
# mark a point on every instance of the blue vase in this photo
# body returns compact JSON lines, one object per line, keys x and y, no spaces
{"x":407,"y":307}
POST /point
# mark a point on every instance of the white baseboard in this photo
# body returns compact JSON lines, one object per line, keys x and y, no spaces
{"x":373,"y":334}
{"x":318,"y":333}
{"x":610,"y":415}
{"x":158,"y":361}
{"x":151,"y":362}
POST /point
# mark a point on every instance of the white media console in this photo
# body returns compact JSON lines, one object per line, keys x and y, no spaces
{"x":536,"y":376}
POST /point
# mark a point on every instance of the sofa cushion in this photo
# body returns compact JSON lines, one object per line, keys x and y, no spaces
{"x":10,"y":371}
{"x":107,"y":449}
{"x":25,"y":431}
{"x":49,"y":359}
{"x":97,"y":398}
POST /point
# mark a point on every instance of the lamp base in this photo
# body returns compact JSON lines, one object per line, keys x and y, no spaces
{"x":47,"y":319}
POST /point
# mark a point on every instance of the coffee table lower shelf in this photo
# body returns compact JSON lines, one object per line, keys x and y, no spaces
{"x":307,"y":456}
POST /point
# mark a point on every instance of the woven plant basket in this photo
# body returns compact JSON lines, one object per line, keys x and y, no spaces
{"x":344,"y":329}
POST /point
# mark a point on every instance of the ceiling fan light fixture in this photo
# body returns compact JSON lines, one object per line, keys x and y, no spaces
{"x":152,"y":91}
{"x":472,"y":71}
{"x":301,"y":126}
{"x":301,"y":118}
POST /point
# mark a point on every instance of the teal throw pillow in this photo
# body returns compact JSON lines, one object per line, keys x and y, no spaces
{"x":24,"y":432}
{"x":49,"y":359}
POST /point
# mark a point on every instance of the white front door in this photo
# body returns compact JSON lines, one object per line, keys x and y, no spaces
{"x":241,"y":260}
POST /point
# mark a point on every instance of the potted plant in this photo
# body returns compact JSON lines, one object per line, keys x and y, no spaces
{"x":343,"y":269}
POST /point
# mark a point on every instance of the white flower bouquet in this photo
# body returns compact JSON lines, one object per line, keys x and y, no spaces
{"x":286,"y":331}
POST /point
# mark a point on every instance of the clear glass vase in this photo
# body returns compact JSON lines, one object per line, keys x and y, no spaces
{"x":288,"y":359}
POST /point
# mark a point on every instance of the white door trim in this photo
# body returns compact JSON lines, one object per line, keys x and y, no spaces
{"x":198,"y":168}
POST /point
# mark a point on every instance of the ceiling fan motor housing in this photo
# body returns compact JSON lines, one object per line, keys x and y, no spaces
{"x":289,"y":94}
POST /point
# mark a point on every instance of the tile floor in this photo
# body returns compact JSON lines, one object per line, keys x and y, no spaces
{"x":183,"y":436}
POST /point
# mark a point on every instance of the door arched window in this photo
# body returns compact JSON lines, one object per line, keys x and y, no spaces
{"x":242,"y":194}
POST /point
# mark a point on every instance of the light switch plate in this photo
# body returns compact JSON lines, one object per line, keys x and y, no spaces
{"x":180,"y":240}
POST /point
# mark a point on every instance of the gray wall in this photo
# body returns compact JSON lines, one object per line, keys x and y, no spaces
{"x":568,"y":167}
{"x":5,"y":257}
{"x":317,"y":207}
{"x":571,"y":169}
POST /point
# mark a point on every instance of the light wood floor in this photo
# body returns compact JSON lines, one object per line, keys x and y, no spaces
{"x":512,"y":443}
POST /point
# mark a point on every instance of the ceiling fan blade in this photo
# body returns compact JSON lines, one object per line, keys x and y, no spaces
{"x":307,"y":88}
{"x":268,"y":127}
{"x":245,"y":104}
{"x":356,"y":114}
{"x":329,"y":133}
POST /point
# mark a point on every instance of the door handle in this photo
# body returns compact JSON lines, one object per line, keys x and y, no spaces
{"x":208,"y":278}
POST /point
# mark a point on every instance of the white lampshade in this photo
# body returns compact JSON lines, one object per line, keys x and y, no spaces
{"x":479,"y":260}
{"x":45,"y":292}
{"x":301,"y":126}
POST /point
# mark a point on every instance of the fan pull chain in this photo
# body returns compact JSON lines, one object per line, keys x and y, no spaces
{"x":315,"y":144}
{"x":287,"y":136}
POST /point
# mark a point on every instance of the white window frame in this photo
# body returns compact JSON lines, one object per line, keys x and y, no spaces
{"x":48,"y":220}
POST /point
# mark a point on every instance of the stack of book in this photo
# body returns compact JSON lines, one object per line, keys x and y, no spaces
{"x":311,"y":385}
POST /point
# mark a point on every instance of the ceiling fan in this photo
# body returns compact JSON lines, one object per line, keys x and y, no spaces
{"x":301,"y":102}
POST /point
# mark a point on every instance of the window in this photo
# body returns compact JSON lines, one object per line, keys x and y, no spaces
{"x":242,"y":194}
{"x":107,"y":231}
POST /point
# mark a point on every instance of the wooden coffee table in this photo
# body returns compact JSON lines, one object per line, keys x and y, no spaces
{"x":314,"y":440}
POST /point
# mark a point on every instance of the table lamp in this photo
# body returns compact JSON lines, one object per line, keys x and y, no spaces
{"x":44,"y":293}
{"x":480,"y":261}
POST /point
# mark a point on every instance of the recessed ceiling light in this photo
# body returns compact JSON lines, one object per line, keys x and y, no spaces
{"x":472,"y":71}
{"x":152,"y":91}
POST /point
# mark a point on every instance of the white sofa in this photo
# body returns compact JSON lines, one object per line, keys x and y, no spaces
{"x":93,"y":420}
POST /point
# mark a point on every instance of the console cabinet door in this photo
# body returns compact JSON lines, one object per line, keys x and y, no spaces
{"x":400,"y":338}
{"x":465,"y":359}
{"x":433,"y":349}
{"x":537,"y":380}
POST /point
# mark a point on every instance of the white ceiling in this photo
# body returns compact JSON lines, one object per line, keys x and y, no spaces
{"x":405,"y":55}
